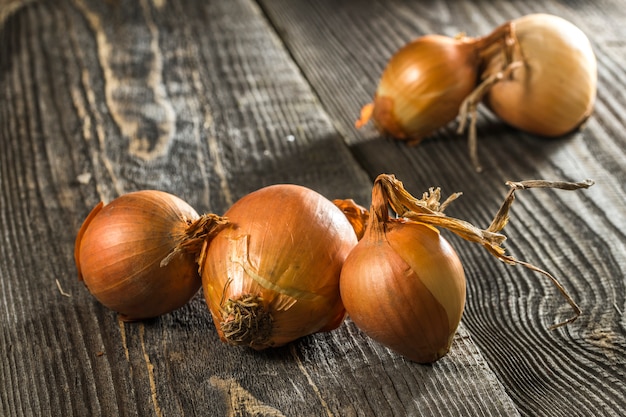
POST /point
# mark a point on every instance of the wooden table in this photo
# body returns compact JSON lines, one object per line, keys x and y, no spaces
{"x":210,"y":100}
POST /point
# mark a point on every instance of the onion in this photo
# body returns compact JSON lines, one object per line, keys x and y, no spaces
{"x":423,"y":86}
{"x":541,"y":79}
{"x":137,"y":254}
{"x":272,"y":276}
{"x":404,"y":285}
{"x":553,"y":90}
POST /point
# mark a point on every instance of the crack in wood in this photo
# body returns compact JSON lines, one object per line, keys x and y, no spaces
{"x":151,"y":126}
{"x":150,"y":368}
{"x":241,"y":402}
{"x":84,"y":110}
{"x":323,"y":402}
{"x":122,"y":327}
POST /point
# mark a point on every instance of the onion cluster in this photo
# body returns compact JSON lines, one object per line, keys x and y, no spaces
{"x":285,"y":262}
{"x":270,"y":268}
{"x":537,"y":73}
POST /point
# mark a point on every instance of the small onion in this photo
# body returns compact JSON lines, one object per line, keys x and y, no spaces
{"x":423,"y":86}
{"x":137,"y":254}
{"x":272,"y":276}
{"x":404,"y":286}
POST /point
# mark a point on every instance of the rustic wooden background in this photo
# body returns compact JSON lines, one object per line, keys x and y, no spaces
{"x":210,"y":100}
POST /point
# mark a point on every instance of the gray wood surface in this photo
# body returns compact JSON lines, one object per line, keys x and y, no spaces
{"x":210,"y":100}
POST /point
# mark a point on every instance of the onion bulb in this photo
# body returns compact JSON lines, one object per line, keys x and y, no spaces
{"x":541,"y":79}
{"x":404,"y":285}
{"x":137,"y":254}
{"x":553,"y":90}
{"x":272,"y":275}
{"x":423,"y":86}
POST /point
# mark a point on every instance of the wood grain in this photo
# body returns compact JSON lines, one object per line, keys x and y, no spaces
{"x":578,"y":370}
{"x":201,"y":99}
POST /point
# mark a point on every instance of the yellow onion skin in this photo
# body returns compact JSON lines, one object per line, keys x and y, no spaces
{"x":553,"y":92}
{"x":272,"y":276}
{"x":423,"y":86}
{"x":119,"y":250}
{"x":405,"y":288}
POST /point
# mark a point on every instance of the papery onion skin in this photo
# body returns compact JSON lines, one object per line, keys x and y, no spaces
{"x":405,"y":288}
{"x":279,"y":261}
{"x":423,"y":86}
{"x":356,"y":214}
{"x":119,"y":250}
{"x":554,"y":91}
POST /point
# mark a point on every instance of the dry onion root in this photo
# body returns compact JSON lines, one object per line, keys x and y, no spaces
{"x":403,"y":283}
{"x":537,"y":73}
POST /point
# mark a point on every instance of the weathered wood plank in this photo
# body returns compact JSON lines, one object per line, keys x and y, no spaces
{"x":202,"y":100}
{"x":343,"y":47}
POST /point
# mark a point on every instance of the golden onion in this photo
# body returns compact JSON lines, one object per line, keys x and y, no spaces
{"x":404,"y":285}
{"x":423,"y":86}
{"x":553,"y":91}
{"x":137,"y":254}
{"x":272,"y":276}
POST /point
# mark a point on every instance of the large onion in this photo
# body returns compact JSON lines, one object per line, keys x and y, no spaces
{"x":403,"y":284}
{"x":272,"y":276}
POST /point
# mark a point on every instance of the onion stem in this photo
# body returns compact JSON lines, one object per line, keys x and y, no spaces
{"x":197,"y":236}
{"x":428,"y":210}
